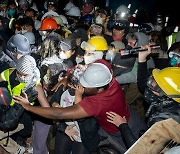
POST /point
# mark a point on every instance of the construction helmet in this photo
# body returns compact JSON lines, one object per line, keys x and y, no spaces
{"x":48,"y":24}
{"x":96,"y":75}
{"x":99,"y":43}
{"x":168,"y":80}
{"x":122,"y":12}
{"x":19,"y":43}
{"x":30,"y":36}
{"x":59,"y":20}
{"x":142,"y":39}
{"x":5,"y":98}
{"x":64,"y":19}
{"x":74,"y":11}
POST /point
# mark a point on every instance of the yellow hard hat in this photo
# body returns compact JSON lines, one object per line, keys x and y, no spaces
{"x":168,"y":80}
{"x":99,"y":43}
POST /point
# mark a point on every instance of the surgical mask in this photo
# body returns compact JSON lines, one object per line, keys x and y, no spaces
{"x":62,"y":55}
{"x":17,"y":32}
{"x":174,"y":61}
{"x":11,"y":12}
{"x":79,"y":60}
{"x":23,"y":31}
{"x":110,"y":55}
{"x":99,"y":20}
{"x":93,"y":57}
{"x":43,"y":33}
{"x":174,"y":58}
{"x":158,"y":28}
{"x":89,"y":59}
{"x":2,"y":13}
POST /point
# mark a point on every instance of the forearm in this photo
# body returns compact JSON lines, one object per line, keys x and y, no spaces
{"x":142,"y":76}
{"x":47,"y":112}
{"x":127,"y":135}
{"x":72,"y":112}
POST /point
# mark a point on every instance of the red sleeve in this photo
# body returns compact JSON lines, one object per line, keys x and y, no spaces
{"x":91,"y":106}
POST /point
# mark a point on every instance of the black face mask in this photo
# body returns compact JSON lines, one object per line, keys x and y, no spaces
{"x":150,"y":97}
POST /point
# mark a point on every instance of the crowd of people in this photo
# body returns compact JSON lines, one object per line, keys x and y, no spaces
{"x":75,"y":73}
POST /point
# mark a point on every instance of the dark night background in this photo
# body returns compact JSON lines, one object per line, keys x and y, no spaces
{"x":147,"y":8}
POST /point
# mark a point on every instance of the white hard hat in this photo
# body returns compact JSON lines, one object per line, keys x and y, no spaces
{"x":64,"y":19}
{"x":68,"y":6}
{"x":50,"y":13}
{"x":30,"y":36}
{"x":96,"y":75}
{"x":122,"y":12}
{"x":74,"y":11}
{"x":23,"y":2}
{"x":19,"y":43}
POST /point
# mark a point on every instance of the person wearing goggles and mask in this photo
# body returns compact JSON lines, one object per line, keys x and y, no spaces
{"x":160,"y":90}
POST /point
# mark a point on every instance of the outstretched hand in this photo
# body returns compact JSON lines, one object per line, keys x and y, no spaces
{"x":115,"y":118}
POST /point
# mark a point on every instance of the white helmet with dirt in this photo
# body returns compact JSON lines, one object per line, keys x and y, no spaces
{"x":19,"y":43}
{"x":122,"y":12}
{"x":74,"y":11}
{"x":96,"y":75}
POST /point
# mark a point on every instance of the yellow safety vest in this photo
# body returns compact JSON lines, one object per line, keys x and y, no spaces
{"x":171,"y":39}
{"x":17,"y":89}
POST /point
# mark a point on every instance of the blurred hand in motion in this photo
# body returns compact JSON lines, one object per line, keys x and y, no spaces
{"x":71,"y":132}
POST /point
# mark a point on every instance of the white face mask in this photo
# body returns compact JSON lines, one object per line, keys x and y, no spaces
{"x":43,"y":33}
{"x":62,"y":55}
{"x":99,"y":20}
{"x":3,"y":13}
{"x":17,"y":32}
{"x":93,"y":57}
{"x":88,"y":59}
{"x":79,"y":60}
{"x":110,"y":55}
{"x":158,"y":28}
{"x":23,"y":31}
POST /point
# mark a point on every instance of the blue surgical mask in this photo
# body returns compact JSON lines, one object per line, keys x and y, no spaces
{"x":173,"y":61}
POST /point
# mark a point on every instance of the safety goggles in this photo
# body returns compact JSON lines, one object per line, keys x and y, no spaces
{"x":64,"y":46}
{"x":152,"y":84}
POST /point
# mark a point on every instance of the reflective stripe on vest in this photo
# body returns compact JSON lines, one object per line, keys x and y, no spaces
{"x":17,"y":89}
{"x":171,"y":39}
